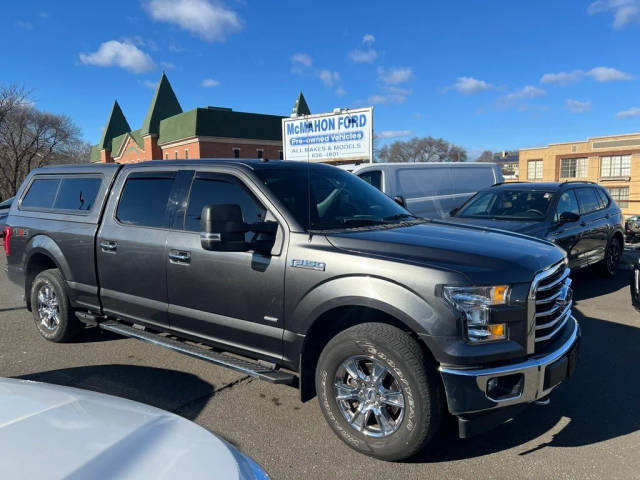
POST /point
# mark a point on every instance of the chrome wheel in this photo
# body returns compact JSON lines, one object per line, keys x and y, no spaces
{"x":369,"y":396}
{"x":48,"y":307}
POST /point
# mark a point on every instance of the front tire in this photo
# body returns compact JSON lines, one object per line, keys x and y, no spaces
{"x":378,"y":391}
{"x":612,"y":256}
{"x":50,"y":307}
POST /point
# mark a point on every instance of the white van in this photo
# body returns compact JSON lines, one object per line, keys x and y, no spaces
{"x":430,"y":190}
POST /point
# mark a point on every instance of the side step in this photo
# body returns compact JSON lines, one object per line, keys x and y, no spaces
{"x":233,"y":363}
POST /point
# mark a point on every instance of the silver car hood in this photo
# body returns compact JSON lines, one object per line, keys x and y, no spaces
{"x":54,"y":432}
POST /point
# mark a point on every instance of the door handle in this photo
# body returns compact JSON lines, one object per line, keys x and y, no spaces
{"x":180,"y":256}
{"x":108,"y":246}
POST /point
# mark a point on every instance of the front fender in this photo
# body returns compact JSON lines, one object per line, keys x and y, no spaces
{"x":367,"y":291}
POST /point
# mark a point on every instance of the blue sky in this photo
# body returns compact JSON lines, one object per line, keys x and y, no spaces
{"x":483,"y":74}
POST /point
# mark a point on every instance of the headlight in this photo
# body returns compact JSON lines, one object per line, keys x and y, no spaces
{"x":474,"y":302}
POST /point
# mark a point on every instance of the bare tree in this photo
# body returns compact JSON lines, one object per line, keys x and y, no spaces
{"x":11,"y":97}
{"x":29,"y":139}
{"x":486,"y":156}
{"x":426,"y":149}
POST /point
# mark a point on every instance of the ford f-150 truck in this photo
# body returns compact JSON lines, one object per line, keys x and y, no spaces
{"x":301,"y":274}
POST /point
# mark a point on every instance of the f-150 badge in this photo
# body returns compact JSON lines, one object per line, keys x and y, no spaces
{"x":308,"y":264}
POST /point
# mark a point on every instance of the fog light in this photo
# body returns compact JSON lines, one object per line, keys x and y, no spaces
{"x":508,"y":386}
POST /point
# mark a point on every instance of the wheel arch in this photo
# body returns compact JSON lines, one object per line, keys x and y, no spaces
{"x":42,"y":253}
{"x":362,"y":303}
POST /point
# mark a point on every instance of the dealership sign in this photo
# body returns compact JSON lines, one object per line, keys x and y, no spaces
{"x":329,"y":137}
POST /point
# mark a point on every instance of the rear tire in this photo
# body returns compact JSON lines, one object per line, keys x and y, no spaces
{"x":612,"y":256}
{"x":50,"y":307}
{"x":379,"y":392}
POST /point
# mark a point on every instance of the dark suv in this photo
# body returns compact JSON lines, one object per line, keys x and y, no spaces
{"x":580,"y":217}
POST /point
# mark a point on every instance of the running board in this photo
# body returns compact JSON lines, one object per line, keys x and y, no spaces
{"x":248,"y":368}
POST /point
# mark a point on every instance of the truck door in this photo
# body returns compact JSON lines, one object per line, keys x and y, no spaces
{"x":595,"y":224}
{"x":131,"y":247}
{"x":229,"y":298}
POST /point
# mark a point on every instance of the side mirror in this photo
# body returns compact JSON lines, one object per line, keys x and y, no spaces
{"x":222,"y":229}
{"x":400,"y":201}
{"x":568,"y":217}
{"x":454,"y":211}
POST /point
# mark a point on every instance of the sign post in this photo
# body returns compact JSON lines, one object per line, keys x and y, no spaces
{"x":346,"y":136}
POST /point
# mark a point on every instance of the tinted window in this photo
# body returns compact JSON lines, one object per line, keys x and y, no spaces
{"x":373,"y":177}
{"x":42,"y":193}
{"x":433,"y":181}
{"x":604,"y":200}
{"x":566,"y":203}
{"x":337,"y":198}
{"x":205,"y":191}
{"x":589,"y":201}
{"x":144,"y":201}
{"x":508,"y":204}
{"x":7,"y":203}
{"x":77,"y":193}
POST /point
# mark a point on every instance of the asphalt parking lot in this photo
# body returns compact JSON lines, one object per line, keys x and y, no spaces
{"x":589,"y":431}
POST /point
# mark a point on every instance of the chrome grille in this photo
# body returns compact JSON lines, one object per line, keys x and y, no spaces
{"x":552,"y":298}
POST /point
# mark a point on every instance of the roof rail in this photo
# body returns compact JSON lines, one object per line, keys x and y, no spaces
{"x":505,"y":183}
{"x":578,"y":181}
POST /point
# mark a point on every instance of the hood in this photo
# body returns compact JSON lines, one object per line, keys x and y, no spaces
{"x":526,"y":227}
{"x":484,"y":255}
{"x":49,"y":431}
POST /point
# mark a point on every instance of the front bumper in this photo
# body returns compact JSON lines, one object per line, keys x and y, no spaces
{"x":467,"y":392}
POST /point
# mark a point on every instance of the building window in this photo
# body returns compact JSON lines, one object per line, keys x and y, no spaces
{"x":186,"y":154}
{"x":615,"y":166}
{"x":534,"y":170}
{"x":620,"y":195}
{"x":573,"y":167}
{"x":166,"y":156}
{"x":236,"y":153}
{"x":259,"y":150}
{"x":280,"y":155}
{"x":176,"y":155}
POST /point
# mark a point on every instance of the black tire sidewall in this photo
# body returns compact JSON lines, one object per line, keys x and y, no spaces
{"x":605,"y":263}
{"x":401,"y":441}
{"x":53,"y":279}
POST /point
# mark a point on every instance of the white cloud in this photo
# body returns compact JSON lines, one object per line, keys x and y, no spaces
{"x":368,"y":39}
{"x":301,"y":59}
{"x":575,"y":106}
{"x":395,"y":76}
{"x":470,"y":85}
{"x":328,"y":77}
{"x":167,"y":65}
{"x":632,"y":112}
{"x":599,"y":74}
{"x":341,"y":92}
{"x":562,"y":78}
{"x":624,"y":11}
{"x":363,"y":56}
{"x":386,"y":99}
{"x":387,"y":134}
{"x":210,"y":82}
{"x":119,"y":54}
{"x":150,"y":84}
{"x":525,"y":93}
{"x":210,"y":21}
{"x":607,"y":74}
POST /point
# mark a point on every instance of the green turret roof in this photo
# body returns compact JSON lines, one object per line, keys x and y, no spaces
{"x":116,"y":125}
{"x":300,"y":107}
{"x":164,"y":105}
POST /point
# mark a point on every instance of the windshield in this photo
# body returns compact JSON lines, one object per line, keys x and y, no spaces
{"x":337,"y":199}
{"x":508,"y":205}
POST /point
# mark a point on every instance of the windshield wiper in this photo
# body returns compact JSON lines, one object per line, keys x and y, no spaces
{"x":400,"y":216}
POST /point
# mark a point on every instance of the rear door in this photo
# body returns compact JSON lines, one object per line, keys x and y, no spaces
{"x":595,"y":224}
{"x":229,"y":298}
{"x":131,"y":247}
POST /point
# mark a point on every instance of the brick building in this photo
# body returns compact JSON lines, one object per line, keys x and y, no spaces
{"x":208,"y":132}
{"x":612,"y":161}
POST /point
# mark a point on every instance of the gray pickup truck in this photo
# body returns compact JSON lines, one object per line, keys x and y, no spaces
{"x":303,"y":275}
